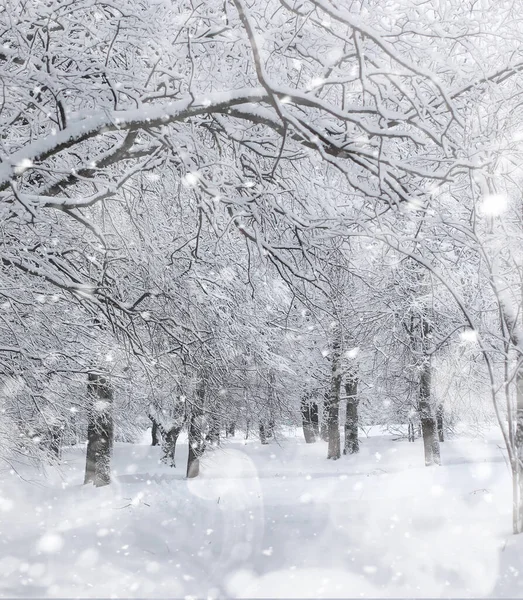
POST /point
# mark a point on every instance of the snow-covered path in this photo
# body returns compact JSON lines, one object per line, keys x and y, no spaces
{"x":262,"y":521}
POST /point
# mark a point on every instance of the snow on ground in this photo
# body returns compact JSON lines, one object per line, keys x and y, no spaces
{"x":267,"y":521}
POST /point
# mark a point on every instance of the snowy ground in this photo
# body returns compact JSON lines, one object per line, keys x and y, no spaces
{"x":267,"y":521}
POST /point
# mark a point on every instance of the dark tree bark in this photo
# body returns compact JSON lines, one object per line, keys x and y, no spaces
{"x":352,"y":444}
{"x":307,"y":422}
{"x":213,"y":435}
{"x":333,"y":404}
{"x":324,"y":425}
{"x":196,"y":434}
{"x":154,"y":433}
{"x":55,"y":440}
{"x":263,"y":433}
{"x":271,"y":405}
{"x":333,"y":430}
{"x":518,"y":442}
{"x":169,"y":439}
{"x":515,"y":441}
{"x":314,"y":416}
{"x":439,"y":422}
{"x":230,"y":430}
{"x":411,"y":433}
{"x":90,"y":459}
{"x":420,"y":332}
{"x":74,"y":430}
{"x":428,"y":422}
{"x":99,"y":431}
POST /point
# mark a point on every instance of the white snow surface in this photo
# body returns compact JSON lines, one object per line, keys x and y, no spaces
{"x":267,"y":521}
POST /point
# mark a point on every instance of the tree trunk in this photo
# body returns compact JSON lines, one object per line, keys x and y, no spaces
{"x":306,"y":417}
{"x":213,"y":435}
{"x":99,"y":431}
{"x":272,"y":403}
{"x":90,"y":458}
{"x":428,"y":422}
{"x":333,"y":431}
{"x":411,"y":432}
{"x":154,"y":433}
{"x":196,"y":434}
{"x":324,"y":425}
{"x":74,"y":430}
{"x":169,"y":439}
{"x":230,"y":430}
{"x":333,"y":404}
{"x":439,"y":422}
{"x":263,"y":434}
{"x":518,"y":440}
{"x":314,"y":416}
{"x":352,"y":444}
{"x":55,"y":440}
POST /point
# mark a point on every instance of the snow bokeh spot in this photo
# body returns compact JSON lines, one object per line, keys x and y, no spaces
{"x":152,"y":566}
{"x":88,"y":558}
{"x":5,"y":504}
{"x":50,"y":543}
{"x":352,"y":353}
{"x":23,"y":165}
{"x":469,"y":335}
{"x":494,"y":205}
{"x":191,"y":179}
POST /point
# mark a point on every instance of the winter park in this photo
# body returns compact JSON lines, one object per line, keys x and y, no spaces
{"x":261,"y":299}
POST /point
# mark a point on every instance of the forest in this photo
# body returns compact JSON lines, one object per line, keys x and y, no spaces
{"x":261,"y":276}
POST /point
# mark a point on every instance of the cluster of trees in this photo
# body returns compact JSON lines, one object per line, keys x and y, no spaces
{"x":240,"y":215}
